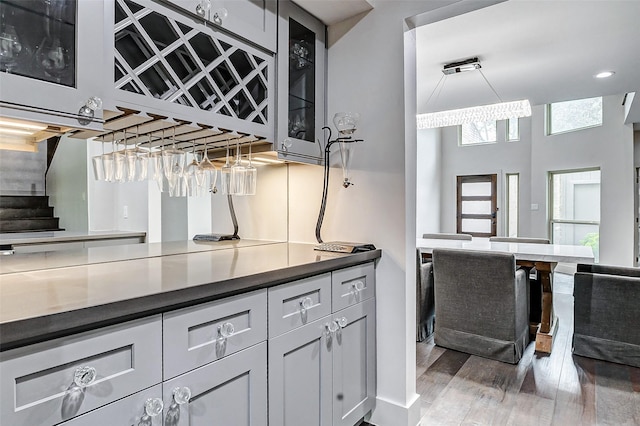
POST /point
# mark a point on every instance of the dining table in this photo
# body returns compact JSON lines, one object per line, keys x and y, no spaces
{"x":542,"y":257}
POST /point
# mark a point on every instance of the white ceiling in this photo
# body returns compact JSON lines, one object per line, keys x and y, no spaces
{"x":334,"y":11}
{"x":542,"y":50}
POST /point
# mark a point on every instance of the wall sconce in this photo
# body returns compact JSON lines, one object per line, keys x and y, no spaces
{"x":346,"y":124}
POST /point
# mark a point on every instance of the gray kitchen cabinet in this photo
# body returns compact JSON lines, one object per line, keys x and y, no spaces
{"x":56,"y":380}
{"x":230,"y":391}
{"x":323,"y":373}
{"x":253,"y":20}
{"x":354,"y":363}
{"x":141,"y":409}
{"x":300,"y":376}
{"x":51,"y":62}
{"x":163,"y":61}
{"x":301,"y":85}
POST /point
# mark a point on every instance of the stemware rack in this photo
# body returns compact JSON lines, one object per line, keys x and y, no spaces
{"x":129,"y":128}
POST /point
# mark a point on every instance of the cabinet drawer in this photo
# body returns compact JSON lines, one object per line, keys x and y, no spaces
{"x":295,"y":304}
{"x":129,"y":411}
{"x":197,"y":335}
{"x":37,"y":382}
{"x":352,"y":285}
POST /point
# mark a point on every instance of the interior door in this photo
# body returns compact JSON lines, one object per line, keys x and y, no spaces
{"x":477,"y":205}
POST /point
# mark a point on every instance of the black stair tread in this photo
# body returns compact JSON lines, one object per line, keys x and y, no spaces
{"x":20,"y":201}
{"x":29,"y":224}
{"x":25,"y":213}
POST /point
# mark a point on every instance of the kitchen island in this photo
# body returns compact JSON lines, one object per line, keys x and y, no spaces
{"x":155,"y":318}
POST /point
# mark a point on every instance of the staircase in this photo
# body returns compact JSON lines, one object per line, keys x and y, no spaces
{"x":27,"y":214}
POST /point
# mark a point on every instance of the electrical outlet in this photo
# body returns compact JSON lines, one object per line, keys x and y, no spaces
{"x":125,"y":212}
{"x":534,"y":207}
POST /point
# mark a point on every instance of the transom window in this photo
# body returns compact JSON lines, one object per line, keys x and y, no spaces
{"x":513,"y":129}
{"x":481,"y":132}
{"x":574,"y":115}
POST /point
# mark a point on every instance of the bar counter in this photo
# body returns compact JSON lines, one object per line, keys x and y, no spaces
{"x":74,"y":291}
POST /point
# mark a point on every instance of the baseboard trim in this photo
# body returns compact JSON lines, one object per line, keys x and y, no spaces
{"x":389,"y":413}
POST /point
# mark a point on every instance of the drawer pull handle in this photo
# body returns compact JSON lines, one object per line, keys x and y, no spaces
{"x":153,"y":407}
{"x":181,"y":395}
{"x":305,"y":304}
{"x":358,"y":286}
{"x":342,"y":322}
{"x":84,"y":376}
{"x":226,"y":330}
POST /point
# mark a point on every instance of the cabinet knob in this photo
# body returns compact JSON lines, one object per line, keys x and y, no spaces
{"x":219,"y":15}
{"x":342,"y":322}
{"x":331,"y":327}
{"x":203,"y":7}
{"x":84,"y":376}
{"x":153,"y":407}
{"x":357,"y":286}
{"x":87,"y":111}
{"x":305,"y":303}
{"x":226,"y":330}
{"x":286,"y":144}
{"x":181,"y":395}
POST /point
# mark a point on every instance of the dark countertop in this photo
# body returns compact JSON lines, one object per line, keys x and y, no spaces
{"x":42,"y":304}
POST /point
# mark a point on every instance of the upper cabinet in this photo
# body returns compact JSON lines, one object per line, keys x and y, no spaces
{"x":253,"y":20}
{"x":301,"y":85}
{"x":51,"y":61}
{"x":163,"y":61}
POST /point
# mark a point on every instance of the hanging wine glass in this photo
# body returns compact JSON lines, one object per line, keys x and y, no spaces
{"x":130,"y":159}
{"x":251,"y":175}
{"x":107,"y":162}
{"x":193,"y":175}
{"x":238,"y":173}
{"x":155,"y":158}
{"x":142,"y":159}
{"x":98,"y":165}
{"x":119,"y":167}
{"x":211,"y":173}
{"x":225,"y":175}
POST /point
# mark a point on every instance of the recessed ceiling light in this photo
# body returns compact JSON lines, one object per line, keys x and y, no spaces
{"x":604,"y":74}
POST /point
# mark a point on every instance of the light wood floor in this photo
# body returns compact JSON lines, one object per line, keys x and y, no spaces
{"x":558,"y":389}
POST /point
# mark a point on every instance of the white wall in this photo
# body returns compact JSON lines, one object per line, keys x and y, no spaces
{"x":498,"y":158}
{"x":262,"y":216}
{"x":609,"y":147}
{"x":67,"y":184}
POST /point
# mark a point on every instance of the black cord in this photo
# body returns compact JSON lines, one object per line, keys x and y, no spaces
{"x":232,"y":211}
{"x":325,"y":186}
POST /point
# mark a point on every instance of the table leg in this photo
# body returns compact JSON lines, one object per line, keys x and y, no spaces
{"x":548,"y":320}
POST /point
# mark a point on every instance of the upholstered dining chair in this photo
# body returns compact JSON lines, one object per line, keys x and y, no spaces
{"x":481,"y":303}
{"x":447,"y":236}
{"x":606,"y":313}
{"x":535,"y":286}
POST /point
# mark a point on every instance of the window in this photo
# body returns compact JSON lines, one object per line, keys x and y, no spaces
{"x":574,"y":115}
{"x":474,"y":133}
{"x":575,"y":208}
{"x":476,"y":205}
{"x":513,"y":129}
{"x":513,"y":181}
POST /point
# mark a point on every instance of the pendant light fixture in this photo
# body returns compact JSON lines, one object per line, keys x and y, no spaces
{"x":491,"y":112}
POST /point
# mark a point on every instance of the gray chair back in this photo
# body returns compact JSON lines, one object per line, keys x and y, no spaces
{"x":481,"y":303}
{"x":445,"y":236}
{"x":520,"y":240}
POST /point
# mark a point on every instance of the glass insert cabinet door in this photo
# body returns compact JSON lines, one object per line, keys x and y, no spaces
{"x":301,"y":108}
{"x":50,"y":55}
